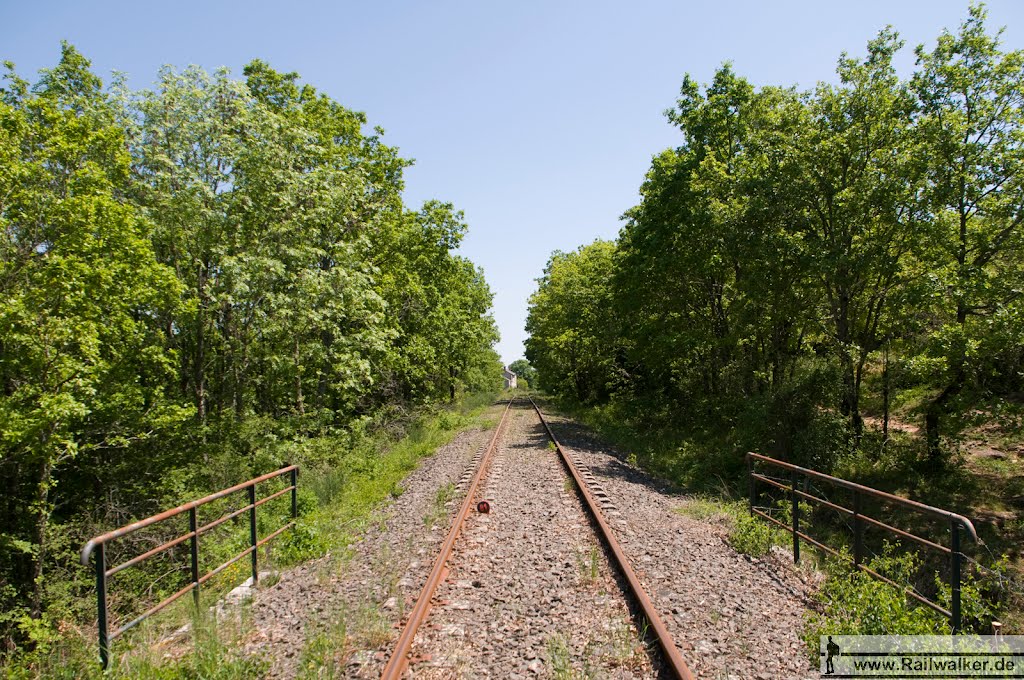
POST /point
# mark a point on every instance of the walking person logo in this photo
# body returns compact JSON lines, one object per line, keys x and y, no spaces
{"x":831,"y":649}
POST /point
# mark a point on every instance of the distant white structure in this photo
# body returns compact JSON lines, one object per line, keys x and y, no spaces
{"x":510,"y":378}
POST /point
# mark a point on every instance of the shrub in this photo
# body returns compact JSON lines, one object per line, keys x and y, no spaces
{"x":855,"y":603}
{"x":753,"y":536}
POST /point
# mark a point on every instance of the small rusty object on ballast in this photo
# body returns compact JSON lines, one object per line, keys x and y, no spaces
{"x":483,"y":507}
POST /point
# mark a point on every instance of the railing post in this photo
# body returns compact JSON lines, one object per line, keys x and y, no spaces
{"x":796,"y":519}
{"x":101,"y":604}
{"x":252,"y":533}
{"x":193,"y":526}
{"x":750,"y":483}
{"x":954,"y":527}
{"x":295,"y":490}
{"x":858,"y":530}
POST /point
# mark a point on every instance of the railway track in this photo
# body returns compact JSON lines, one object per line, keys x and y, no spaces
{"x":538,"y":582}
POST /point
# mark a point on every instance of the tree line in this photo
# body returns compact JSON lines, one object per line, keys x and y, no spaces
{"x":191,"y":276}
{"x":798,"y":245}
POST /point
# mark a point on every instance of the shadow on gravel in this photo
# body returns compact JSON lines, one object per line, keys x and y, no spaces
{"x":537,"y":438}
{"x":575,"y":436}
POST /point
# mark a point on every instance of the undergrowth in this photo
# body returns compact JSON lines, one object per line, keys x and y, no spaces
{"x":336,"y":501}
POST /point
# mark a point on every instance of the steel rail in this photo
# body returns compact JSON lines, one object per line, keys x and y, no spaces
{"x":399,"y":660}
{"x":673,"y":658}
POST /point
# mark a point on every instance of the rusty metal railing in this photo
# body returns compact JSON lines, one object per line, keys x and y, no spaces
{"x":860,"y":521}
{"x":98,"y":547}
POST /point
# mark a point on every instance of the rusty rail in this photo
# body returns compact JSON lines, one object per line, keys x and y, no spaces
{"x":671,"y":653}
{"x":860,"y":520}
{"x":98,"y":545}
{"x":399,"y":660}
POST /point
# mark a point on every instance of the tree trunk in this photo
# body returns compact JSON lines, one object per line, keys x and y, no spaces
{"x":199,"y":359}
{"x":300,"y":406}
{"x":885,"y":397}
{"x":933,"y":415}
{"x":40,"y":524}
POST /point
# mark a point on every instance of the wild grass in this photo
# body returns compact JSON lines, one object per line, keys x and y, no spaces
{"x":439,"y":508}
{"x":589,"y":565}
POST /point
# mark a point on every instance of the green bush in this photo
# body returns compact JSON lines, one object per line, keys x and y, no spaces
{"x":856,"y":603}
{"x":753,"y":536}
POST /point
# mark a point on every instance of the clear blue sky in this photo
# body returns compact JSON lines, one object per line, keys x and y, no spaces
{"x":537,"y":118}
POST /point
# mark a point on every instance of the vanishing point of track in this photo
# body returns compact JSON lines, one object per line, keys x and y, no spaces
{"x":671,"y":660}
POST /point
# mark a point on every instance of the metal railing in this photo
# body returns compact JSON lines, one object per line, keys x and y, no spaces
{"x":862,"y":520}
{"x":98,"y":547}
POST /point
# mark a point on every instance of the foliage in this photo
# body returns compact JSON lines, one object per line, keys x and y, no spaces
{"x":215,"y":270}
{"x":524,"y":371}
{"x":856,"y":603}
{"x":572,"y":337}
{"x":799,"y":265}
{"x":748,"y":534}
{"x":971,"y":125}
{"x":797,"y":246}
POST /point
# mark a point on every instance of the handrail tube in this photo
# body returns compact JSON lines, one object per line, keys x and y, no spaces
{"x":152,"y":610}
{"x":836,"y":553}
{"x":245,"y":508}
{"x":266,"y":539}
{"x":905,"y":534}
{"x":159,"y":549}
{"x":863,"y":517}
{"x":956,"y":522}
{"x":98,"y":545}
{"x":853,"y":486}
{"x":167,"y":514}
{"x":267,"y":499}
{"x":226,"y":518}
{"x":210,"y":574}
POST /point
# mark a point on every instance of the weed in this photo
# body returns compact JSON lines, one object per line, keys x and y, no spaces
{"x":754,"y":537}
{"x":325,"y":652}
{"x":337,"y":500}
{"x":626,"y":648}
{"x":559,"y":658}
{"x":707,"y":508}
{"x":748,"y":535}
{"x":438,"y":510}
{"x":589,"y":565}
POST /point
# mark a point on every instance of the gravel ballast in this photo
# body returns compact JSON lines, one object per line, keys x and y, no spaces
{"x":530,"y":591}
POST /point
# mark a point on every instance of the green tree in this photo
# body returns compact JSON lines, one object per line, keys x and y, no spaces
{"x":971,"y":124}
{"x":709,"y":280}
{"x":858,"y":183}
{"x":572,"y":334}
{"x":84,"y":364}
